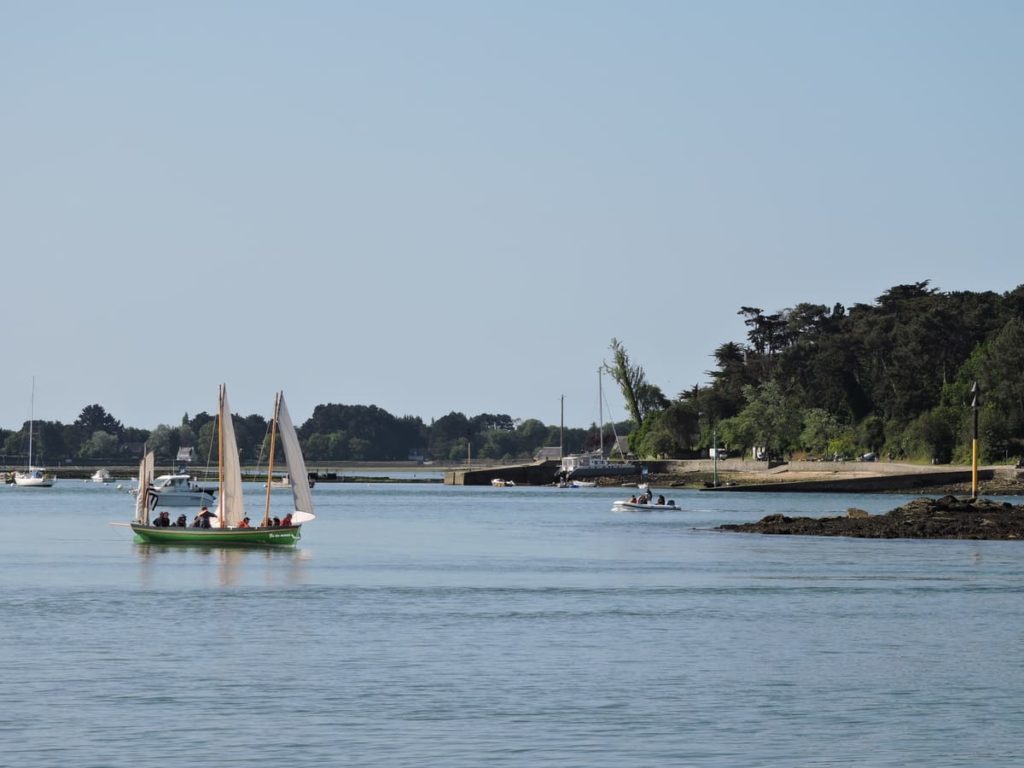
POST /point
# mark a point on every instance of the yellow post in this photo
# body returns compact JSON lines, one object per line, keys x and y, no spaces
{"x":974,"y":468}
{"x":975,"y":405}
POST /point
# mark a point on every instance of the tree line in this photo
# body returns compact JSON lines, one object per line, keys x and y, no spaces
{"x":334,"y":432}
{"x":892,"y":378}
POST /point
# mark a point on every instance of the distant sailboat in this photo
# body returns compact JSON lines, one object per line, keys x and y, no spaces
{"x":228,"y":524}
{"x":32,"y":477}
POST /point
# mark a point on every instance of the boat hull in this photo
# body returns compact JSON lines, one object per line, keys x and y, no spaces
{"x":33,"y":482}
{"x":631,"y":506}
{"x":264,"y":537}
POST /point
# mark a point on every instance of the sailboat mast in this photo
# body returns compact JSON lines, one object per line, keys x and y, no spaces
{"x":220,"y":460}
{"x":561,"y":431}
{"x":270,"y":461}
{"x":31,"y":422}
{"x":600,"y":411}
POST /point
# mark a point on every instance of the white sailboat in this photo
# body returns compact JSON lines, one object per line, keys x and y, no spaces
{"x":575,"y":467}
{"x":33,"y":477}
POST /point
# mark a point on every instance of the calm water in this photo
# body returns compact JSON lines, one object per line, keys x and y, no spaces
{"x":433,"y":626}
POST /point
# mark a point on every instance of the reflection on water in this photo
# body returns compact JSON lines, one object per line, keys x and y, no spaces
{"x":230,"y":565}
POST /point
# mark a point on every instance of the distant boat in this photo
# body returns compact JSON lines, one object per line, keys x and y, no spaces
{"x":228,"y":524}
{"x":102,"y":476}
{"x":595,"y":463}
{"x":179,"y":490}
{"x":645,"y":506}
{"x":497,"y":482}
{"x":33,"y":477}
{"x":286,"y":482}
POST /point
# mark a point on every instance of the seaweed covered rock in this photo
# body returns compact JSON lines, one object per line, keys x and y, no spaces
{"x":925,"y":518}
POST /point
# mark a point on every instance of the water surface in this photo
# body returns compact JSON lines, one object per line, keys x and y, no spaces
{"x":433,"y":625}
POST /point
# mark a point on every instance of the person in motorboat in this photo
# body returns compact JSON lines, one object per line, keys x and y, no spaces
{"x":661,"y":500}
{"x":632,"y":499}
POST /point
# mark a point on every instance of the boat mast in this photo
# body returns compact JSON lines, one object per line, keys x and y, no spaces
{"x":600,"y":411}
{"x":270,"y":461}
{"x":561,"y":432}
{"x":220,"y":459}
{"x":31,"y":422}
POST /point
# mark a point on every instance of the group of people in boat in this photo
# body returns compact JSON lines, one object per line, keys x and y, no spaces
{"x":202,"y":520}
{"x":163,"y":520}
{"x":273,"y":522}
{"x":645,"y":498}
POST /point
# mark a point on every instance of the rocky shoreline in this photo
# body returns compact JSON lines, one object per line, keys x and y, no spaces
{"x":947,"y":517}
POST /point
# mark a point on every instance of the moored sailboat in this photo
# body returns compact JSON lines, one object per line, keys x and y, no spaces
{"x":32,"y":477}
{"x":229,"y":524}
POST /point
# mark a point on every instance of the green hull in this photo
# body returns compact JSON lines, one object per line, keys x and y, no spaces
{"x":265,"y":537}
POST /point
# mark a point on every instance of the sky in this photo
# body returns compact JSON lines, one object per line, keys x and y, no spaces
{"x":456,"y":206}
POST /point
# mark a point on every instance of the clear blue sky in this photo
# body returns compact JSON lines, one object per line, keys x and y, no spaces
{"x":438,"y":206}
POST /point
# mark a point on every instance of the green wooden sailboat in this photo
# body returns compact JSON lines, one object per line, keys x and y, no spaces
{"x":226,"y":523}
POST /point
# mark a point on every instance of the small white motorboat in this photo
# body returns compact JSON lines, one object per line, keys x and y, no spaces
{"x":180,"y":490}
{"x":102,"y":476}
{"x":645,"y":506}
{"x":286,"y":482}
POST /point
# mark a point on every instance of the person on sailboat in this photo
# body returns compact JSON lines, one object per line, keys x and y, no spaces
{"x":287,"y":520}
{"x":244,"y":523}
{"x":204,"y":517}
{"x":182,"y":521}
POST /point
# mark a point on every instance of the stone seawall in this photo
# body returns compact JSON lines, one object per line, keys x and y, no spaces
{"x":861,"y":483}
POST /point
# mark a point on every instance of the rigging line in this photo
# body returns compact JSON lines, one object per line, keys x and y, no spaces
{"x":209,"y":449}
{"x":263,"y":446}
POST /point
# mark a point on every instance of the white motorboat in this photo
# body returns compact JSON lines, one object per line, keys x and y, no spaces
{"x":102,"y":476}
{"x":179,"y":491}
{"x":286,"y":482}
{"x":645,"y":506}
